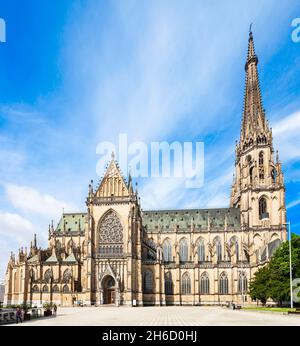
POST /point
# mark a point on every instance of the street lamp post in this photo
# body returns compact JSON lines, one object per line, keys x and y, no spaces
{"x":290,"y":258}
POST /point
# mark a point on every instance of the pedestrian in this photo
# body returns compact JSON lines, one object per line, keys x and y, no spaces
{"x":19,"y":315}
{"x":55,"y":309}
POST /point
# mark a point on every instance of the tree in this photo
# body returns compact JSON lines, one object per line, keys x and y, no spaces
{"x":258,"y":288}
{"x":273,"y":280}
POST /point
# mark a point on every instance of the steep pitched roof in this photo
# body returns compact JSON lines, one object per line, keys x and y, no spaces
{"x":254,"y":120}
{"x":72,"y":222}
{"x":184,"y":218}
{"x":113,"y":182}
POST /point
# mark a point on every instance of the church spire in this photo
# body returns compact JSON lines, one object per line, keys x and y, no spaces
{"x":254,"y":123}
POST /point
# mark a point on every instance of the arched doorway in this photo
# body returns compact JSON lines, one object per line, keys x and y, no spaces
{"x":109,"y":290}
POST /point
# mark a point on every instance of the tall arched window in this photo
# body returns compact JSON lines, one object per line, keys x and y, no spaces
{"x":168,"y":283}
{"x":219,"y":250}
{"x":204,"y":284}
{"x":185,"y":284}
{"x":251,"y":175}
{"x":201,"y":251}
{"x":236,"y":248}
{"x":273,"y":176}
{"x":110,"y":234}
{"x":47,"y":276}
{"x":183,"y":251}
{"x":243,"y":283}
{"x":148,"y":281}
{"x":263,"y":208}
{"x":261,"y":158}
{"x":67,"y":276}
{"x":167,"y":251}
{"x":223,"y":284}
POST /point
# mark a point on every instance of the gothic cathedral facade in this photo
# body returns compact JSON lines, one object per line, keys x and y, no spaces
{"x":115,"y":253}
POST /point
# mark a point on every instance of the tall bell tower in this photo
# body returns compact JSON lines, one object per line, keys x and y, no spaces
{"x":258,"y":186}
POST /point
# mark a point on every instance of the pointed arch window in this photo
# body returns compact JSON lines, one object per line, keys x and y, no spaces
{"x":201,"y":251}
{"x":261,"y":158}
{"x":45,"y":289}
{"x":263,"y":214}
{"x":223,"y":284}
{"x":251,"y":175}
{"x":273,"y":176}
{"x":66,"y":289}
{"x":168,"y":283}
{"x":110,"y":235}
{"x":148,"y":281}
{"x":167,"y":251}
{"x":204,"y":284}
{"x":219,"y":250}
{"x":243,"y":283}
{"x":183,"y":251}
{"x":186,"y":284}
{"x":48,"y":276}
{"x":55,"y":289}
{"x":67,"y":276}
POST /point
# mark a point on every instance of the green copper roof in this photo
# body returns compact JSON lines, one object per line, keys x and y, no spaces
{"x":33,"y":259}
{"x":182,"y":219}
{"x":70,"y":259}
{"x":71,"y":222}
{"x":52,"y":259}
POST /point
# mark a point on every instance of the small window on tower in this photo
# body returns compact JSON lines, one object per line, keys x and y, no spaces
{"x":263,"y":214}
{"x":261,"y":158}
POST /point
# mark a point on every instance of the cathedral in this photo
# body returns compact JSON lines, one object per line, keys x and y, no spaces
{"x":117,"y":253}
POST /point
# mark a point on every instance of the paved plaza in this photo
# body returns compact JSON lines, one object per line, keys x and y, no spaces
{"x":164,"y":316}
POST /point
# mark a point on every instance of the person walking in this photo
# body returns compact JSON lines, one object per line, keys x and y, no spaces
{"x":19,"y":315}
{"x":55,"y":309}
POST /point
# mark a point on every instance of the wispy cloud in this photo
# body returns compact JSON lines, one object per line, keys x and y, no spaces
{"x":27,"y":199}
{"x":286,"y":136}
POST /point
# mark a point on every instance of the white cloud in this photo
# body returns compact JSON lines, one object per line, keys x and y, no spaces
{"x":293,"y":204}
{"x":286,"y":136}
{"x":31,"y":200}
{"x":15,"y":231}
{"x":15,"y":226}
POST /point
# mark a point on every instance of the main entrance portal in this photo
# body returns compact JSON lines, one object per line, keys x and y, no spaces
{"x":109,"y":290}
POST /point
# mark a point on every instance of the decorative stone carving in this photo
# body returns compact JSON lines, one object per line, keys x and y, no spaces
{"x":110,"y":230}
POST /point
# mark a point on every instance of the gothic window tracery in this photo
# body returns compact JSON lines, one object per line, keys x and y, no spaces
{"x":47,"y":276}
{"x":223,"y":284}
{"x":183,"y":251}
{"x":67,"y":276}
{"x":204,"y":284}
{"x":148,"y":281}
{"x":186,"y":284}
{"x":201,"y":251}
{"x":168,"y":283}
{"x":110,"y":235}
{"x":167,"y":251}
{"x":262,"y":208}
{"x":242,"y":284}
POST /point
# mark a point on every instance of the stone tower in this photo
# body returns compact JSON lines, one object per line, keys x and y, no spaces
{"x":258,"y":187}
{"x":113,"y":239}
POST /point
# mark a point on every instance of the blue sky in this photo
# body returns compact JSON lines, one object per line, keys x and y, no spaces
{"x":75,"y":73}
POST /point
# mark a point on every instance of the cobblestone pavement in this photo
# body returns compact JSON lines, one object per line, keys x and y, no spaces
{"x":163,"y":316}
